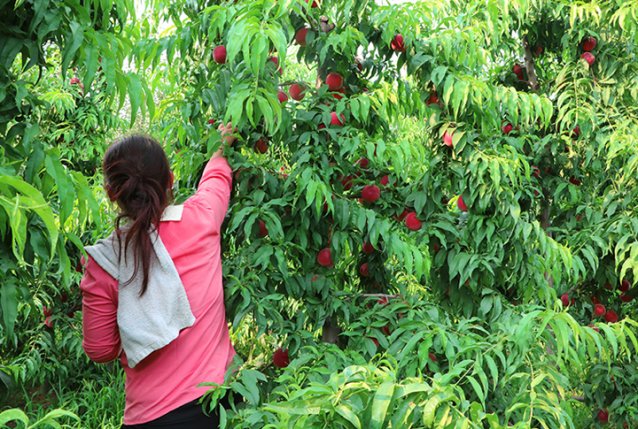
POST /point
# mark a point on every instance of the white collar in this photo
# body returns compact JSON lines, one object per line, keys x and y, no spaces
{"x":172,"y":214}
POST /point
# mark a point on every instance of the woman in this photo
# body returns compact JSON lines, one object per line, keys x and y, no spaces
{"x":152,"y":291}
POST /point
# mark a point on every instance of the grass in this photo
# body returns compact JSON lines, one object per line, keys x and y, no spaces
{"x":99,"y":403}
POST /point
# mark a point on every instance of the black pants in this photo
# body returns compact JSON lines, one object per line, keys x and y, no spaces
{"x":188,"y":416}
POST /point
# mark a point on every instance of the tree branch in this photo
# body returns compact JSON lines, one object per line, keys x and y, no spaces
{"x":529,"y":64}
{"x":326,"y":27}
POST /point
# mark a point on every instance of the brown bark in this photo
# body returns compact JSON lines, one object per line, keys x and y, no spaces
{"x":535,"y":87}
{"x":529,"y":64}
{"x":330,"y":333}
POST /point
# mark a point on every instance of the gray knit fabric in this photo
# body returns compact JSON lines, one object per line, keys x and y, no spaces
{"x":152,"y":321}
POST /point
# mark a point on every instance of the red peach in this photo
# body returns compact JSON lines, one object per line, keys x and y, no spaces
{"x":261,"y":146}
{"x":280,"y":358}
{"x":337,"y":120}
{"x":447,"y":138}
{"x":371,"y":193}
{"x":590,"y":58}
{"x":219,"y":54}
{"x":325,"y":258}
{"x":402,"y":216}
{"x":611,"y":317}
{"x":433,"y":99}
{"x":263,"y":231}
{"x":297,"y":91}
{"x":412,"y":222}
{"x":460,"y":204}
{"x":397,"y":44}
{"x":300,"y":37}
{"x":334,"y":81}
{"x":589,"y":44}
{"x":364,"y":270}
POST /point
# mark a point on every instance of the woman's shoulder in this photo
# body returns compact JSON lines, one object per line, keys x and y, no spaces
{"x":95,"y":277}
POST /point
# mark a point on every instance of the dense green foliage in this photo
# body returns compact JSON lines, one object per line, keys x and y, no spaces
{"x":459,"y":323}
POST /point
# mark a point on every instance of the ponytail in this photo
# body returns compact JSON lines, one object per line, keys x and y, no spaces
{"x":137,"y":174}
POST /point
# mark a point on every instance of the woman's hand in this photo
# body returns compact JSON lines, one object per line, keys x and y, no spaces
{"x":227,"y":138}
{"x":227,"y":133}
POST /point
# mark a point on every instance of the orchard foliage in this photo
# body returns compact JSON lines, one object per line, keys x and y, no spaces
{"x":463,"y":295}
{"x":530,"y":155}
{"x":61,"y":72}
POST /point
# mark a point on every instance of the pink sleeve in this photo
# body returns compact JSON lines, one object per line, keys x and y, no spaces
{"x":213,"y":192}
{"x":101,"y":341}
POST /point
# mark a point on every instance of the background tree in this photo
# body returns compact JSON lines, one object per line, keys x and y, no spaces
{"x":61,"y":73}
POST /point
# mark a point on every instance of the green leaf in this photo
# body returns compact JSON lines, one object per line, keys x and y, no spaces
{"x":40,"y":206}
{"x":18,"y":223}
{"x":381,"y":403}
{"x":72,"y":42}
{"x":13,"y":414}
{"x":9,"y":305}
{"x":135,"y":94}
{"x":347,"y":413}
{"x":429,"y":410}
{"x":493,"y":368}
{"x":477,"y":389}
{"x":66,"y":193}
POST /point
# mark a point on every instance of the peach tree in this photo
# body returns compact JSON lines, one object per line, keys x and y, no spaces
{"x":432,"y":221}
{"x":427,"y":199}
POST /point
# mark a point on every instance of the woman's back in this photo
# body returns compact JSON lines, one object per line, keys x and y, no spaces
{"x":167,"y":378}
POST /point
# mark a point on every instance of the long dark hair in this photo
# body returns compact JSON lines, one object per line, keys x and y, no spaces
{"x":137,"y":172}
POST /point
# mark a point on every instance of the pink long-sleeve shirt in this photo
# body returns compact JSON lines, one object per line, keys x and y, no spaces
{"x":167,"y":378}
